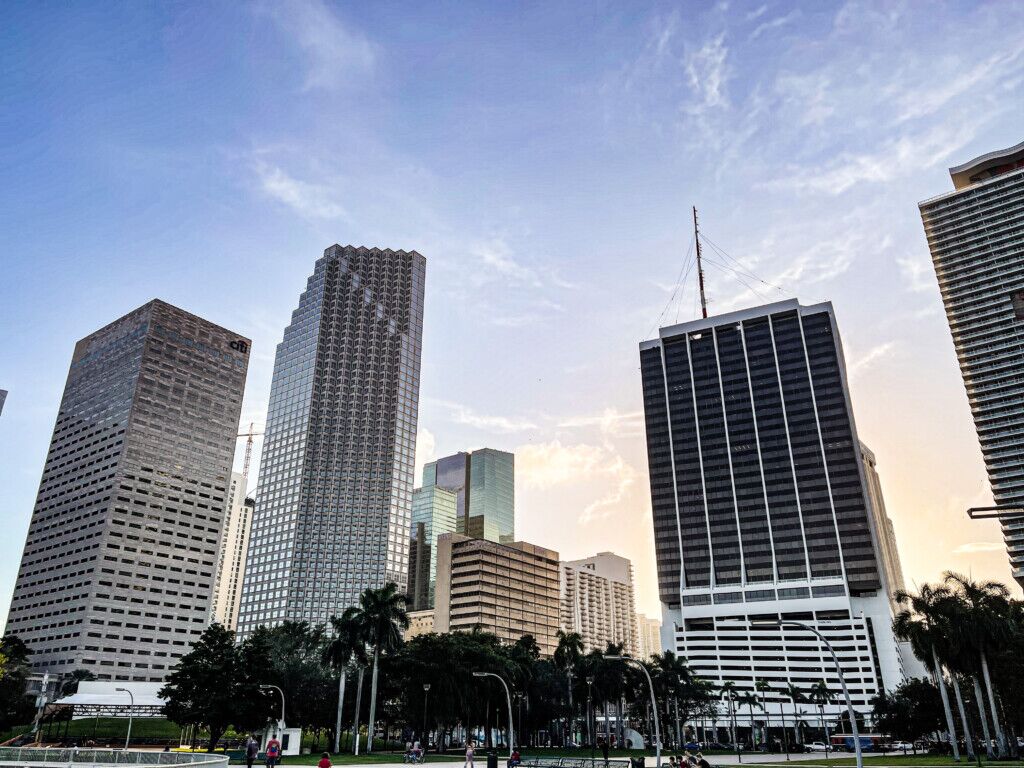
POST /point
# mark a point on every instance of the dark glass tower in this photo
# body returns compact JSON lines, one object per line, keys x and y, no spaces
{"x":759,"y":499}
{"x":334,"y":502}
{"x":484,"y":484}
{"x":119,"y":564}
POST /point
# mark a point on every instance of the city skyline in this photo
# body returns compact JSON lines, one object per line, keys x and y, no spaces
{"x":557,"y":245}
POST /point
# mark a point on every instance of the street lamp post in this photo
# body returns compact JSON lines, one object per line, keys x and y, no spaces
{"x":508,"y":700}
{"x":590,"y":714}
{"x":131,"y":699}
{"x":839,"y":671}
{"x":426,"y":736}
{"x":276,"y":688}
{"x":654,"y":705}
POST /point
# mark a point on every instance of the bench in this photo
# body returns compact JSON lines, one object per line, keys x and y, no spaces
{"x":575,"y":762}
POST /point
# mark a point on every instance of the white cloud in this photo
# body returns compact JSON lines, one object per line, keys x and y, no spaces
{"x":775,"y":23}
{"x":313,"y":201}
{"x":462,"y":414}
{"x":975,"y":547}
{"x":870,"y":357}
{"x":756,"y":13}
{"x":605,"y":507}
{"x":707,"y":71}
{"x":335,"y":54}
{"x":544,"y":465}
{"x":610,"y":421}
{"x":918,"y":273}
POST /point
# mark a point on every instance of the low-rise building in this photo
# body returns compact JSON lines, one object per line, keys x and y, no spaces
{"x":510,"y":590}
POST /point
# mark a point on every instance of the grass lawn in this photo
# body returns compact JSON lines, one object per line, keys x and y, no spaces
{"x":105,"y":728}
{"x":871,"y":758}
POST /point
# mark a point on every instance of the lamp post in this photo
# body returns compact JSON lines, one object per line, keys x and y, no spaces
{"x":654,"y":705}
{"x":276,"y":688}
{"x":839,"y":671}
{"x":426,"y":736}
{"x":131,"y":705}
{"x":508,"y":700}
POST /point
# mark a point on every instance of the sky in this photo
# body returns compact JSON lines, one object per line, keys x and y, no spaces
{"x":544,"y":158}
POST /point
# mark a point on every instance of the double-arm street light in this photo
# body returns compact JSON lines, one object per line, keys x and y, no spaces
{"x":654,"y":704}
{"x":276,"y":688}
{"x":508,"y":699}
{"x":839,"y":671}
{"x":131,"y":709}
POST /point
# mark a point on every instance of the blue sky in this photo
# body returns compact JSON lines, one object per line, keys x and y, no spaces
{"x":544,"y":158}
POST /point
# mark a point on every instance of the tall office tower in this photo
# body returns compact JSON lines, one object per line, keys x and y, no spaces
{"x":234,"y":546}
{"x":597,"y":601}
{"x":510,"y":590}
{"x":484,"y":482}
{"x":433,"y":514}
{"x":334,"y":503}
{"x":3,"y":399}
{"x":977,"y":246}
{"x":760,"y":503}
{"x":120,"y":560}
{"x":648,"y":636}
{"x":888,"y":552}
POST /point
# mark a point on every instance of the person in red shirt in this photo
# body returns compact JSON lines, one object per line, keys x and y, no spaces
{"x":273,"y":751}
{"x":325,"y":761}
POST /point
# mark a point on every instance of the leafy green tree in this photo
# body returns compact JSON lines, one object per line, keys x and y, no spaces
{"x":383,"y":617}
{"x":69,"y":684}
{"x":911,"y":711}
{"x":202,"y":690}
{"x":16,"y":706}
{"x":567,"y":657}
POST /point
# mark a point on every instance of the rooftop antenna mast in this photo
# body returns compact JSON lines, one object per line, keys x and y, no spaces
{"x":700,"y":267}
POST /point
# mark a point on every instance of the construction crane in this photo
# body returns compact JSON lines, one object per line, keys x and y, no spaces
{"x":248,"y":448}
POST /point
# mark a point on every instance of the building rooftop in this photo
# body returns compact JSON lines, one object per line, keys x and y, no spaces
{"x":987,"y":166}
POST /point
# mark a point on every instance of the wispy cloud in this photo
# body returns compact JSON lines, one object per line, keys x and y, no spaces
{"x":778,"y":21}
{"x":873,"y":355}
{"x":463,"y":414}
{"x":311,"y":200}
{"x":918,"y":274}
{"x":974,"y":547}
{"x":335,"y":53}
{"x":707,"y":70}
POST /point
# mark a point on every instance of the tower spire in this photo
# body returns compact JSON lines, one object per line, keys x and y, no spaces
{"x":700,"y":266}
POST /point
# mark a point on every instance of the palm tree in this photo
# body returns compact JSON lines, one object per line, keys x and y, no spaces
{"x":749,"y":700}
{"x":821,"y":695}
{"x":382,"y":616}
{"x":920,"y":623}
{"x":348,"y":643}
{"x":797,"y":697}
{"x":728,"y":688}
{"x":567,"y":656}
{"x":982,"y":623}
{"x":762,"y":687}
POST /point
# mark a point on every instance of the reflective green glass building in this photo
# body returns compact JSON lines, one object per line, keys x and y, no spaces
{"x":484,"y":484}
{"x":434,"y":512}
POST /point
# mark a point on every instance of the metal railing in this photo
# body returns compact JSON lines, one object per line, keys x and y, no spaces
{"x":45,"y":756}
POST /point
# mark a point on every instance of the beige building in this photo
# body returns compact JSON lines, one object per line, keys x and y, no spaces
{"x":596,"y":600}
{"x":234,"y":546}
{"x":889,"y":556}
{"x":420,"y":623}
{"x":648,"y":636}
{"x":508,"y":589}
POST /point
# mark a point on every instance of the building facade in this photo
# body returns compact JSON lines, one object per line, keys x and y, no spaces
{"x":484,"y":483}
{"x":433,"y":514}
{"x":889,"y":554}
{"x":234,"y":546}
{"x":596,"y":600}
{"x":510,"y":590}
{"x":648,"y":634}
{"x":120,"y":559}
{"x":420,"y":623}
{"x":977,"y":246}
{"x":760,"y":504}
{"x":334,"y":503}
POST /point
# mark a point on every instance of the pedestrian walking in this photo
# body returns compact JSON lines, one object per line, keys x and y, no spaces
{"x":252,"y":749}
{"x":273,"y":751}
{"x":469,"y":754}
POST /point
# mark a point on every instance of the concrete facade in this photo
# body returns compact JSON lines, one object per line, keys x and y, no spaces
{"x":234,"y":547}
{"x":120,"y":559}
{"x":597,"y":600}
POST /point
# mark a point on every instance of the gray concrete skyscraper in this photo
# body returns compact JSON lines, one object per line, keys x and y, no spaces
{"x":760,"y":504}
{"x":119,"y":563}
{"x":977,"y":244}
{"x":334,"y":502}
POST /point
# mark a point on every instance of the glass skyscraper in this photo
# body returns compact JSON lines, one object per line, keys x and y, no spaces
{"x":333,"y":507}
{"x":760,"y":504}
{"x":976,"y":237}
{"x":484,"y":483}
{"x":120,"y":560}
{"x":434,"y":512}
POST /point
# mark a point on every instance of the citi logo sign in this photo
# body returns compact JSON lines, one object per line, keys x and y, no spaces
{"x":239,"y":346}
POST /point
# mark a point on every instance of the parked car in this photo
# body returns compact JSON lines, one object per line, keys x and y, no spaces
{"x":902,"y":746}
{"x":817,"y":746}
{"x":692,"y":746}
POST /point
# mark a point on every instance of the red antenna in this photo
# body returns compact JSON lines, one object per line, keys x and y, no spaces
{"x":700,"y":268}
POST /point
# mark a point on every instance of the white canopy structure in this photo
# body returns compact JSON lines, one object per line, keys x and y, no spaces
{"x":100,"y":698}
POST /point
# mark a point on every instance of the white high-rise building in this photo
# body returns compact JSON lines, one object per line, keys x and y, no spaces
{"x":234,"y":546}
{"x":596,"y":600}
{"x":648,"y":634}
{"x":761,"y":507}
